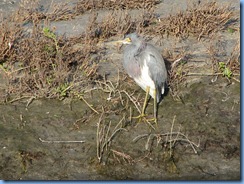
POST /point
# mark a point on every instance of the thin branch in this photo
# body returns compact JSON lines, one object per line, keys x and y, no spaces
{"x":58,"y":141}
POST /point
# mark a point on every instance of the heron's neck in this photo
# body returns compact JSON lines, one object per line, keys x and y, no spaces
{"x":139,"y":46}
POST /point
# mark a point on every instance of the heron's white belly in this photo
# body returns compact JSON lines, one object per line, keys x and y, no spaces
{"x":144,"y":80}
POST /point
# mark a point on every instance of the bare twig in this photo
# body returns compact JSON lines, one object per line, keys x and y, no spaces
{"x":104,"y":136}
{"x":58,"y":141}
{"x":125,"y":157}
{"x":173,"y":138}
{"x":82,"y":98}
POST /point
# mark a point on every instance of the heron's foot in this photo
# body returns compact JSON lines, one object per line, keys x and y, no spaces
{"x":155,"y":120}
{"x":140,"y":117}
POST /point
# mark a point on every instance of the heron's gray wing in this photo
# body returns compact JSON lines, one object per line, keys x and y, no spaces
{"x":157,"y":69}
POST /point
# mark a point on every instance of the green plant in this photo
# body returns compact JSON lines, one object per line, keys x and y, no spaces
{"x":230,"y":30}
{"x":51,"y":50}
{"x":62,"y":90}
{"x":50,"y":34}
{"x":49,"y":80}
{"x":225,"y":70}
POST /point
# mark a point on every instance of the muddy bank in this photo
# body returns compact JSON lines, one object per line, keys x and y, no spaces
{"x":211,"y":121}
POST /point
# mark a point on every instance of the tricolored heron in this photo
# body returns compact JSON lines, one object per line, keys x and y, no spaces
{"x":144,"y":63}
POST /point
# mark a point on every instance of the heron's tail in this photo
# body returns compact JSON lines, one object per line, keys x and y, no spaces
{"x":159,"y":92}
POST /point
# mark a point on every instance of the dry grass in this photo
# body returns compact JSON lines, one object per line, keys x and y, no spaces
{"x":85,"y":5}
{"x":40,"y":66}
{"x":38,"y":62}
{"x":32,"y":11}
{"x":168,"y":140}
{"x":105,"y":136}
{"x":43,"y":64}
{"x":199,"y":21}
{"x":116,"y":23}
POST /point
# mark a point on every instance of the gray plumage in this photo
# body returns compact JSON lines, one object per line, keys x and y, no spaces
{"x":144,"y":63}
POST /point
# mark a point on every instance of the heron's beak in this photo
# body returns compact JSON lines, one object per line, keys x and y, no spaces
{"x":124,"y":41}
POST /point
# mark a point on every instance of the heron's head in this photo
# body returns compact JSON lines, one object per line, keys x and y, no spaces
{"x":132,"y":38}
{"x":125,"y":41}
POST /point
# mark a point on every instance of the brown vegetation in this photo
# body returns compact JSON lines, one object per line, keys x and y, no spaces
{"x":39,"y":63}
{"x":197,"y":20}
